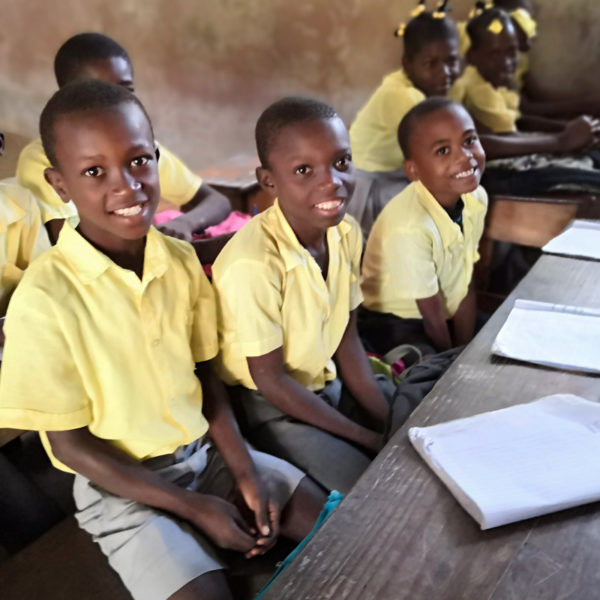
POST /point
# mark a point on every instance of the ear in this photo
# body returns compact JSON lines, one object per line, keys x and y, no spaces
{"x":411,"y":169}
{"x":265,"y":179}
{"x":55,"y":179}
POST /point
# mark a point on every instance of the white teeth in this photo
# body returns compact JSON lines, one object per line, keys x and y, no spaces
{"x":330,"y":204}
{"x":463,"y":174}
{"x":130,"y":211}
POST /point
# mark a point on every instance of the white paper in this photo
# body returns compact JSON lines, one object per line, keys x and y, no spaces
{"x":580,"y":238}
{"x":555,"y":335}
{"x":518,"y":462}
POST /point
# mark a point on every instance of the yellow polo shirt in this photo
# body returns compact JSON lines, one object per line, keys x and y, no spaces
{"x":415,"y":251}
{"x":496,"y":108}
{"x":374,"y":133}
{"x":178,"y":184}
{"x":22,"y":237}
{"x":271,"y":294}
{"x":89,"y":344}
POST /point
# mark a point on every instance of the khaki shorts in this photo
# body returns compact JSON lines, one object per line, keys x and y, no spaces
{"x":155,"y":553}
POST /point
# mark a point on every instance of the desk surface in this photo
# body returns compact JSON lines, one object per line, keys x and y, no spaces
{"x":400,"y":534}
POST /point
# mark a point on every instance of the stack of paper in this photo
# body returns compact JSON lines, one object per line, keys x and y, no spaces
{"x":519,"y":462}
{"x":556,"y":335}
{"x":580,"y":238}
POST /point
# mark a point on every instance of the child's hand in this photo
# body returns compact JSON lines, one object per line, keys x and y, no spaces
{"x":178,"y":228}
{"x":579,"y":134}
{"x":372,"y":440}
{"x":257,"y":497}
{"x":221,"y":521}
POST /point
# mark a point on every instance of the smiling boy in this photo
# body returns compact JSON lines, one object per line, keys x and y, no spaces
{"x":418,"y":264}
{"x":118,"y":323}
{"x":288,"y":290}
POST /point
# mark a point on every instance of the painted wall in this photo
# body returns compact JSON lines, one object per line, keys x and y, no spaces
{"x":206,"y":68}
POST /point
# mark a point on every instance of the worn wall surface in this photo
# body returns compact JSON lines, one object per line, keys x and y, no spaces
{"x":206,"y":68}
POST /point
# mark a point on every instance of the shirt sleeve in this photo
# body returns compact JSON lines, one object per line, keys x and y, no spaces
{"x":37,"y":240}
{"x":250,"y":297}
{"x":178,"y":184}
{"x":490,"y":108}
{"x":205,"y":341}
{"x":40,"y":387}
{"x":30,"y":174}
{"x":395,"y":102}
{"x":411,"y":265}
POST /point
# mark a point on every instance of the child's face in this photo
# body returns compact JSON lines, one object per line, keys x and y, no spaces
{"x":435,"y":67}
{"x":115,"y":70}
{"x":311,"y":173}
{"x":446,"y":155}
{"x":496,"y":56}
{"x":107,"y":164}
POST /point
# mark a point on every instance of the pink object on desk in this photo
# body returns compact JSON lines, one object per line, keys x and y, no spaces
{"x":165,"y":216}
{"x":234,"y":222}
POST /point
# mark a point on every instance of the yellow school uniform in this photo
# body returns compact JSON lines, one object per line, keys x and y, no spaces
{"x":374,"y":133}
{"x":177,"y":183}
{"x":415,"y":251}
{"x":496,"y":108}
{"x":271,"y":294}
{"x":464,"y":41}
{"x":22,"y":237}
{"x":91,"y":345}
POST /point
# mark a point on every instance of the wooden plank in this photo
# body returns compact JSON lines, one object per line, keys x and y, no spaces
{"x":400,"y":533}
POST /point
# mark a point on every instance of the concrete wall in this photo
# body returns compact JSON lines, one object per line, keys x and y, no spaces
{"x":206,"y":68}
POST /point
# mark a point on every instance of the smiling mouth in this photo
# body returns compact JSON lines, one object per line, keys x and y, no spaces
{"x":329,"y":204}
{"x":129,"y":211}
{"x":464,"y":174}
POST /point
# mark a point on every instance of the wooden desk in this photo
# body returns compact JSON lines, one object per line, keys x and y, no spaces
{"x":400,"y":534}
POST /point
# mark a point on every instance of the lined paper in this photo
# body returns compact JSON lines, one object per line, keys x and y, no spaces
{"x":581,"y":238}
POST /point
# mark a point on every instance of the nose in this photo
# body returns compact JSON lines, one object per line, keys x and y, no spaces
{"x":331,"y":178}
{"x":124,"y":183}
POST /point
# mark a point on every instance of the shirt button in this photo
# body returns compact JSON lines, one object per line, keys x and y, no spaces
{"x":155,"y":342}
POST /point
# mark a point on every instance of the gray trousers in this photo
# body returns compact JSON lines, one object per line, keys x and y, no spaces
{"x":334,"y":462}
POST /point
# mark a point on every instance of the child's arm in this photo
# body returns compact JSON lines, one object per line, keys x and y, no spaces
{"x":578,"y":134}
{"x":529,"y":122}
{"x":207,"y":207}
{"x":434,"y":321}
{"x":226,"y":435}
{"x":282,"y":390}
{"x":357,"y":374}
{"x":114,"y":471}
{"x":463,"y":322}
{"x":561,"y":108}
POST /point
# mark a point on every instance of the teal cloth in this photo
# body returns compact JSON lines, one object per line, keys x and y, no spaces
{"x":334,"y":499}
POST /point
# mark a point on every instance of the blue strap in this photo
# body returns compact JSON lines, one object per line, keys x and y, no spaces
{"x":334,"y":499}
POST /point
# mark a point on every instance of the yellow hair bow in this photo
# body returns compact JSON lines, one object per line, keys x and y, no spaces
{"x":400,"y":30}
{"x":417,"y":10}
{"x":480,"y":7}
{"x":525,"y":21}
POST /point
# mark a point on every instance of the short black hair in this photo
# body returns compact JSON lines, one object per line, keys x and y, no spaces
{"x":82,"y":49}
{"x":415,"y":114}
{"x":477,"y":27}
{"x":425,"y":29}
{"x":283,"y":113}
{"x":85,"y":96}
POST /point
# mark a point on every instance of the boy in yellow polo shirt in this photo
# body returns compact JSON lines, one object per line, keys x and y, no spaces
{"x":96,"y":56}
{"x":288,"y":289}
{"x":114,"y":321}
{"x":418,"y":265}
{"x":430,"y":64}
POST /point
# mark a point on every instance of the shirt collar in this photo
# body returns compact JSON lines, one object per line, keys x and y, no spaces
{"x":89,"y":263}
{"x":449,"y":230}
{"x":291,"y":250}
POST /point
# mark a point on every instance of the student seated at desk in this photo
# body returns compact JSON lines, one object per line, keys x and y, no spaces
{"x":22,"y":237}
{"x":288,"y":290}
{"x":96,"y":56}
{"x":430,"y":65}
{"x":118,"y":323}
{"x":418,"y":265}
{"x":488,"y":91}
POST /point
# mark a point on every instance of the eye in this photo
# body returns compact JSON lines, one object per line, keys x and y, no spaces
{"x":443,"y":151}
{"x":94,"y":172}
{"x":303,"y":170}
{"x":343,"y":163}
{"x":140,"y":161}
{"x":470,"y":140}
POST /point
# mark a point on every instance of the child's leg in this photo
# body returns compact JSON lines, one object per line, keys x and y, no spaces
{"x":210,"y":586}
{"x":300,"y":513}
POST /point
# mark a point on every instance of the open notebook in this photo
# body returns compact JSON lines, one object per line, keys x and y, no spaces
{"x":581,"y":238}
{"x":556,"y":335}
{"x":518,"y":462}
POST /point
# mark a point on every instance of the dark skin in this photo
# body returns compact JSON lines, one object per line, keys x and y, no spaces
{"x":311,"y":173}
